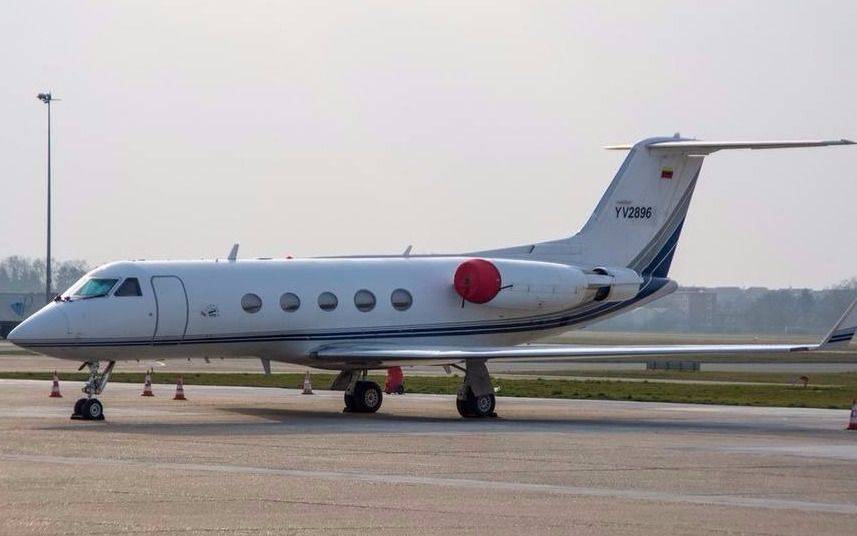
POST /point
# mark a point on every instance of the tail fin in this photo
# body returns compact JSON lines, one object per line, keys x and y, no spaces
{"x":638,"y":221}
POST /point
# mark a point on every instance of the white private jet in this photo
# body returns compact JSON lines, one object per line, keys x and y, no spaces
{"x":355,"y":314}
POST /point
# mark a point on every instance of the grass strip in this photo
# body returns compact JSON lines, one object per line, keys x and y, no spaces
{"x":832,"y":396}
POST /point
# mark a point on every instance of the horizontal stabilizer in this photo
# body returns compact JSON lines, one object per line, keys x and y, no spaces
{"x":708,"y":147}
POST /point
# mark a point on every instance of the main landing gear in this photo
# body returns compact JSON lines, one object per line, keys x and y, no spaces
{"x":90,"y":408}
{"x":361,"y":395}
{"x":365,"y":398}
{"x":476,"y":396}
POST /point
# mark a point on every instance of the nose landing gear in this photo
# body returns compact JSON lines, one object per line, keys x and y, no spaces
{"x":90,"y":408}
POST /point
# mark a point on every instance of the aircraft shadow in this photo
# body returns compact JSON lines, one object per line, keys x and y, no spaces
{"x":285,"y":421}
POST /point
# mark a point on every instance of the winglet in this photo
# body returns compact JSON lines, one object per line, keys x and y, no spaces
{"x":233,"y":253}
{"x":843,"y":331}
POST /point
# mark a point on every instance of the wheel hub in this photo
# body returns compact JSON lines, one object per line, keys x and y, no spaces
{"x":483,"y":403}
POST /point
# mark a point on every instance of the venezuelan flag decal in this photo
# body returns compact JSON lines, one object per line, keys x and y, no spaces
{"x":667,"y":173}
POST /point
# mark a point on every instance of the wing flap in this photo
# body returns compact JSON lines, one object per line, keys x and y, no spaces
{"x":567,"y":352}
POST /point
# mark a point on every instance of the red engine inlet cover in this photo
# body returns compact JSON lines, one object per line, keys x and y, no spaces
{"x":477,"y":281}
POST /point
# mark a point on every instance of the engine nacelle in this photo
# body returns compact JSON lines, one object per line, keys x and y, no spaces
{"x":614,"y":284}
{"x":477,"y":281}
{"x":513,"y":284}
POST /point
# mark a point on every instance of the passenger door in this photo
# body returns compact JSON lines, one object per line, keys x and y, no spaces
{"x":172,"y":308}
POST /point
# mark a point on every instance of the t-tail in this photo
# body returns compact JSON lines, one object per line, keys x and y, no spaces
{"x":638,"y":221}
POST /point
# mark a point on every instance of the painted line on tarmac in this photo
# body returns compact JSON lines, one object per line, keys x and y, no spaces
{"x":481,"y":485}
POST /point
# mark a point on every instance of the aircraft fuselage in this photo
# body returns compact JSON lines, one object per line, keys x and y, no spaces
{"x":285,"y":309}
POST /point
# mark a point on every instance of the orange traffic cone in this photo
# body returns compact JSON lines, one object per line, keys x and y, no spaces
{"x":307,"y":385}
{"x":179,"y":390}
{"x":147,"y":385}
{"x":852,"y":422}
{"x":55,"y":390}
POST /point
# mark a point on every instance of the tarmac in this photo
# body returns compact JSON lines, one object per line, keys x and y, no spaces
{"x":235,"y":460}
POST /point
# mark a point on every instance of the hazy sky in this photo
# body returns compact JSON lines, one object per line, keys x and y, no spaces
{"x":361,"y":127}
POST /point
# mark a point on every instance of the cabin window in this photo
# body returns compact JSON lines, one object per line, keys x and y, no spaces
{"x":401,"y":299}
{"x":129,"y":287}
{"x":327,"y":301}
{"x":95,"y":288}
{"x":251,"y":303}
{"x":364,"y":300}
{"x":290,"y":302}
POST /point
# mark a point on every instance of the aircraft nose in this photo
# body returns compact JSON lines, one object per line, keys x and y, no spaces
{"x":48,"y":323}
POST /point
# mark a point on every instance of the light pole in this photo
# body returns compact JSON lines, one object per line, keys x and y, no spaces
{"x":46,"y":98}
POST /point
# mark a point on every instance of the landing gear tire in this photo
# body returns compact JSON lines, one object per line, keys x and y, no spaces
{"x":367,"y":397}
{"x":93,"y":410}
{"x":88,"y":409}
{"x":349,"y":403}
{"x":463,"y":407}
{"x":78,"y":406}
{"x":483,"y":406}
{"x":478,"y":407}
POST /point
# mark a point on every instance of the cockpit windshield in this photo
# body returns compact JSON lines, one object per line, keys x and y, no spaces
{"x":95,"y":288}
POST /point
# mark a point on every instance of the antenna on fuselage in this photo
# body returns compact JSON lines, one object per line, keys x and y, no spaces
{"x":233,"y":253}
{"x":407,"y":252}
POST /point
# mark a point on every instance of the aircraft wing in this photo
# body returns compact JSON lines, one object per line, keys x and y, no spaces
{"x":395,"y":354}
{"x":404,"y":354}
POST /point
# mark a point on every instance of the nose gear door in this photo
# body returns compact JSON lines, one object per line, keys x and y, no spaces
{"x":172,"y":308}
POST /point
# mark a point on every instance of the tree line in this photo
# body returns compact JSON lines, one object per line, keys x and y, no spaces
{"x":740,"y":310}
{"x":21,"y":274}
